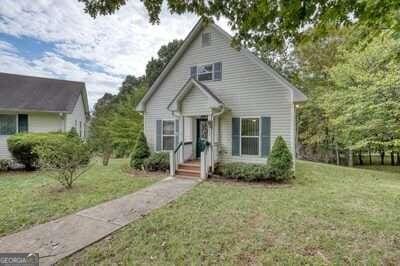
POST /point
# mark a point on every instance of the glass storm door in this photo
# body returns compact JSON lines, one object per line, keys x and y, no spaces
{"x":202,"y":135}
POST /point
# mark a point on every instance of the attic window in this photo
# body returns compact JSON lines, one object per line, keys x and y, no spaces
{"x":206,"y":39}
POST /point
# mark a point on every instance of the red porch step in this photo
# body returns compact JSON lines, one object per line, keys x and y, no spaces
{"x":190,"y":169}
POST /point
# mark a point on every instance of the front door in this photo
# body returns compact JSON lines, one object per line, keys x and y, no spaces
{"x":201,"y":136}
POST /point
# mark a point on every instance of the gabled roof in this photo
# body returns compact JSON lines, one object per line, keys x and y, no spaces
{"x":213,"y":99}
{"x":296,"y":94}
{"x":18,"y":92}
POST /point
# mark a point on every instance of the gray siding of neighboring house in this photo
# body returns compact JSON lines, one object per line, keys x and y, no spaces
{"x":194,"y":103}
{"x":246,"y":89}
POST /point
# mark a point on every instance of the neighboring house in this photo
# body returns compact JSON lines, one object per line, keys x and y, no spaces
{"x":33,"y":104}
{"x":226,"y":104}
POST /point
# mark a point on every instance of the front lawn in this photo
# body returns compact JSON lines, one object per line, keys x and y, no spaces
{"x":28,"y":198}
{"x":329,"y":215}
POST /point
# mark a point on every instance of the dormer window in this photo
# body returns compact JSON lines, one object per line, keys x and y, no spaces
{"x":207,"y":72}
{"x":206,"y":39}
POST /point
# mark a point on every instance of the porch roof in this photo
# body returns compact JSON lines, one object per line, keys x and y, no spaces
{"x":213,"y":100}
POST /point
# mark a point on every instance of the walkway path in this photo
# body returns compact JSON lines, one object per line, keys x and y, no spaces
{"x":59,"y":238}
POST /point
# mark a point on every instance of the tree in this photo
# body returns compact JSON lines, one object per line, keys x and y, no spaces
{"x":280,"y":161}
{"x":140,"y":152}
{"x":365,"y":105}
{"x":155,"y":66}
{"x":272,"y":22}
{"x":100,"y":138}
{"x":116,"y":124}
{"x":67,"y":161}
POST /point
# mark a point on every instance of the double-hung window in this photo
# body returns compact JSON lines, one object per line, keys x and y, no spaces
{"x":168,"y":135}
{"x":250,"y":136}
{"x":8,"y":124}
{"x":205,"y":72}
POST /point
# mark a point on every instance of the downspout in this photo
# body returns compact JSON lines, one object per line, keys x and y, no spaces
{"x":213,"y":116}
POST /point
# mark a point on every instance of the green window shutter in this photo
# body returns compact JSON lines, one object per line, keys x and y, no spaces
{"x":265,"y":136}
{"x":193,"y":72}
{"x":158,"y":134}
{"x":176,"y":132}
{"x":218,"y":71}
{"x":22,"y":123}
{"x":235,"y":136}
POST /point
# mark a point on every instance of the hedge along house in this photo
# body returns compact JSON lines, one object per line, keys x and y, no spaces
{"x":214,"y":103}
{"x":33,"y":104}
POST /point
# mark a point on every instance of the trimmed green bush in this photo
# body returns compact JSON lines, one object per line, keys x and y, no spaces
{"x":140,"y":152}
{"x":280,"y":161}
{"x":5,"y":164}
{"x":243,"y":171}
{"x":22,"y":146}
{"x":158,"y":161}
{"x":66,"y":161}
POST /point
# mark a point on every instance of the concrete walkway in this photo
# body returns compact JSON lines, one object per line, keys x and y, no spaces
{"x":62,"y":237}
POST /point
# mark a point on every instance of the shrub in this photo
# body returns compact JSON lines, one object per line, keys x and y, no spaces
{"x":67,"y":161}
{"x":22,"y":146}
{"x":243,"y":171}
{"x":5,"y":164}
{"x":280,"y":161}
{"x":158,"y":161}
{"x":140,"y":152}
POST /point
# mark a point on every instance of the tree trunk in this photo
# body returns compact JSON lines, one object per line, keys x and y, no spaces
{"x":392,"y":158}
{"x":360,"y":159}
{"x":351,"y":157}
{"x":337,"y":154}
{"x":398,"y":158}
{"x":382,"y":158}
{"x":370,"y":157}
{"x":106,"y":157}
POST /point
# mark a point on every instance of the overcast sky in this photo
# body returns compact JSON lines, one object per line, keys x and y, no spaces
{"x":55,"y":38}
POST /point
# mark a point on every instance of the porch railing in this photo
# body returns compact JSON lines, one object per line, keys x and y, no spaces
{"x":174,"y":158}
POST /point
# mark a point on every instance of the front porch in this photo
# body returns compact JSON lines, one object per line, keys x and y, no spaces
{"x":197,"y":109}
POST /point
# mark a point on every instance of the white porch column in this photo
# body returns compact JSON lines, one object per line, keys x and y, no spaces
{"x":211,"y":135}
{"x":182,"y":139}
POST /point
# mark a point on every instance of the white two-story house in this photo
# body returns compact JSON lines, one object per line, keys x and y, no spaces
{"x":214,"y":103}
{"x":34,"y":104}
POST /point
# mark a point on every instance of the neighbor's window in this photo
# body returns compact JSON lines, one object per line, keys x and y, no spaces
{"x":8,"y":124}
{"x":250,"y":136}
{"x":205,"y":72}
{"x":168,"y":135}
{"x":206,"y":39}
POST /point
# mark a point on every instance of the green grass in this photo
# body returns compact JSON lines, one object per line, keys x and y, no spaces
{"x":28,"y":198}
{"x":328,"y":215}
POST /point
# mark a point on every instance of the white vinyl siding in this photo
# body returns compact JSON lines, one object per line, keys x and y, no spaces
{"x":246,"y":90}
{"x":45,"y":122}
{"x":77,"y":118}
{"x":195,"y":103}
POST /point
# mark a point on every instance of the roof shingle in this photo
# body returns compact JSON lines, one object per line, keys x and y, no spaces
{"x":19,"y":92}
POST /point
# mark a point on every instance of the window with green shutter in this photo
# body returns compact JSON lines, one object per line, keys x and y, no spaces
{"x":8,"y":124}
{"x":250,"y":136}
